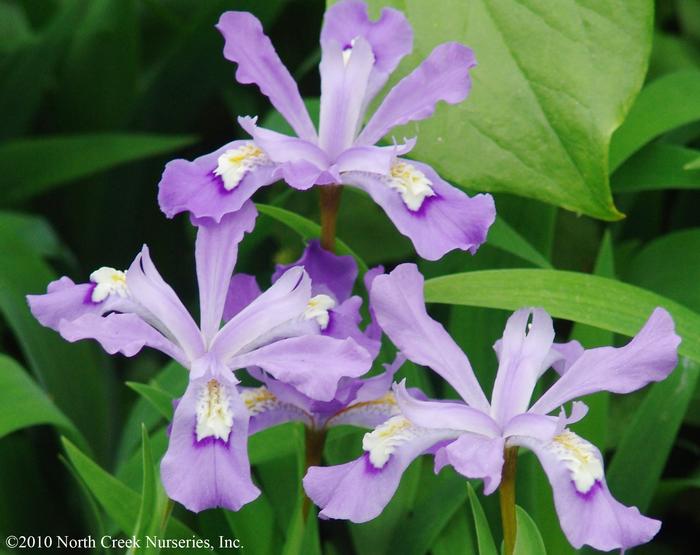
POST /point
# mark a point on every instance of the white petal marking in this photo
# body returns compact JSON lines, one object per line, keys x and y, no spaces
{"x":580,"y":459}
{"x":214,"y":414}
{"x":381,"y":443}
{"x":318,"y":308}
{"x":108,"y":281}
{"x":411,"y":183}
{"x":234,"y":164}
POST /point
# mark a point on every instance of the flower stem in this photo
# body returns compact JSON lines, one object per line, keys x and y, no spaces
{"x":330,"y":201}
{"x":506,"y":493}
{"x":315,"y":440}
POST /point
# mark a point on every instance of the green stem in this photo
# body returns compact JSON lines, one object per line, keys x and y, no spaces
{"x":507,"y":497}
{"x":315,"y":440}
{"x":330,"y":201}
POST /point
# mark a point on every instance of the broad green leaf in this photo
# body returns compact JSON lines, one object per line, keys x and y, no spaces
{"x":457,"y":538}
{"x":658,"y":265}
{"x":32,"y":166}
{"x":484,"y":538}
{"x":657,"y":166}
{"x":601,"y":302}
{"x":664,"y":104}
{"x":255,"y":526}
{"x":639,"y":461}
{"x":272,"y":443}
{"x":159,"y":399}
{"x":306,"y":229}
{"x":554,"y":80}
{"x":420,"y":527}
{"x":528,"y":540}
{"x":119,"y":501}
{"x":504,"y":237}
{"x":693,"y":164}
{"x":33,"y":231}
{"x":24,"y":404}
{"x":71,"y":374}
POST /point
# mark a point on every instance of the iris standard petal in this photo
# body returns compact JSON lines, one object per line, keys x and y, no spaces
{"x":199,"y":187}
{"x":523,"y":350}
{"x":649,"y":357}
{"x":476,"y":457}
{"x":359,"y":490}
{"x":390,"y":36}
{"x":443,"y":75}
{"x":587,"y":511}
{"x":344,"y":81}
{"x":399,"y":305}
{"x":120,"y":333}
{"x":313,"y":364}
{"x":444,"y":217}
{"x":330,"y":274}
{"x":283,"y":302}
{"x":249,"y":47}
{"x":242,"y":290}
{"x":206,"y":464}
{"x":444,"y":414}
{"x":216,"y":251}
{"x":165,"y":310}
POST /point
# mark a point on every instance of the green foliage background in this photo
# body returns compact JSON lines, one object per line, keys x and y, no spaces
{"x":585,"y":124}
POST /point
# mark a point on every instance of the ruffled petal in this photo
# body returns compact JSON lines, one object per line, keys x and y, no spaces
{"x":399,"y":305}
{"x":390,"y":36}
{"x":447,"y":220}
{"x":587,"y":511}
{"x":195,"y":188}
{"x":119,"y":333}
{"x":359,"y":490}
{"x":216,"y":251}
{"x":373,"y":159}
{"x":249,"y":47}
{"x":165,"y":310}
{"x":242,"y":291}
{"x":649,"y":357}
{"x":330,"y":274}
{"x":201,"y":469}
{"x":476,"y":457}
{"x":443,"y":75}
{"x":523,"y":351}
{"x":313,"y":364}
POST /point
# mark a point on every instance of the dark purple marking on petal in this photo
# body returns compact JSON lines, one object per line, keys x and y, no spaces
{"x":369,"y":467}
{"x":588,"y":496}
{"x":88,"y":296}
{"x":328,"y":330}
{"x":427,"y":201}
{"x":210,"y":440}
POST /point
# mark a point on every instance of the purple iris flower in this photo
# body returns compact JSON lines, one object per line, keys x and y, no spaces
{"x":206,"y":464}
{"x":358,"y":55}
{"x":471,"y":435}
{"x":361,"y":402}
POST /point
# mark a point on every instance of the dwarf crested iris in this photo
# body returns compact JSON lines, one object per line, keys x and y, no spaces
{"x":358,"y":56}
{"x":471,"y":435}
{"x":206,"y":464}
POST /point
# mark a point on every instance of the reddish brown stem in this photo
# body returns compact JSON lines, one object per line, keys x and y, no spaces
{"x":330,"y":201}
{"x":506,"y":493}
{"x":315,"y":440}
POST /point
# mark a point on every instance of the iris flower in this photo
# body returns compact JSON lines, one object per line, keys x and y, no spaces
{"x":358,"y":56}
{"x":471,"y":435}
{"x":206,"y":464}
{"x":361,"y":402}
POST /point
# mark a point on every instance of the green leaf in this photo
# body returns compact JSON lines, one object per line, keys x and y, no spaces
{"x":664,"y":104}
{"x":255,"y":526}
{"x":633,"y":478}
{"x":161,"y":400}
{"x":34,"y":232}
{"x":24,"y":404}
{"x":71,"y":374}
{"x":555,"y":78}
{"x":657,"y":166}
{"x":147,"y":509}
{"x":420,"y":527}
{"x":528,"y":540}
{"x":32,"y":166}
{"x":306,"y":229}
{"x":484,"y":538}
{"x":597,"y":301}
{"x":457,"y":537}
{"x":275,"y":442}
{"x":504,"y":237}
{"x":119,"y":501}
